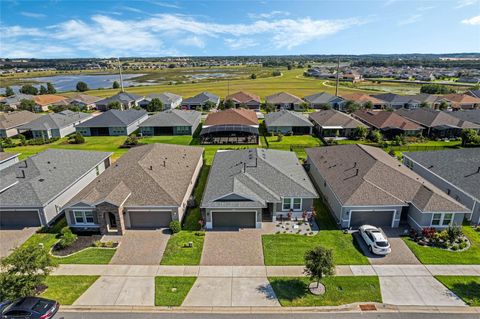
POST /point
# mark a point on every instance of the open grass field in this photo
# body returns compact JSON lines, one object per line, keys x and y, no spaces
{"x":67,"y":289}
{"x":177,"y":252}
{"x":293,"y":291}
{"x":466,"y":287}
{"x":171,"y":291}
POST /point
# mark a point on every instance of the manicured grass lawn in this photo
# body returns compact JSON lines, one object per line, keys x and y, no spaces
{"x":67,"y":289}
{"x":432,"y":255}
{"x":293,"y":291}
{"x":171,"y":291}
{"x":180,"y":139}
{"x":466,"y":287}
{"x":176,"y":252}
{"x":287,"y":141}
{"x":193,"y":215}
{"x":289,"y":249}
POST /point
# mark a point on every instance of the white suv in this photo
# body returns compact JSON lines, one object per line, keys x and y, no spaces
{"x":376,"y":241}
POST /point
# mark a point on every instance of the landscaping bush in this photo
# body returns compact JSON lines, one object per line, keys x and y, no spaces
{"x":279,"y":137}
{"x":76,"y":138}
{"x":454,"y":232}
{"x":67,"y":238}
{"x":175,"y":226}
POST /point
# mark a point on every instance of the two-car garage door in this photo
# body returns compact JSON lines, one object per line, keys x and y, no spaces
{"x":150,"y":219}
{"x":374,"y":218}
{"x":234,"y":219}
{"x":19,"y":219}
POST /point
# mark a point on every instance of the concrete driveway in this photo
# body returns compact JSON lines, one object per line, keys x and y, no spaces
{"x":12,"y":238}
{"x":141,"y":247}
{"x":233,"y":248}
{"x":231,"y":292}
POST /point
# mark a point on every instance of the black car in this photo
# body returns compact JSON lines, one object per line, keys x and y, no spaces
{"x":29,"y":308}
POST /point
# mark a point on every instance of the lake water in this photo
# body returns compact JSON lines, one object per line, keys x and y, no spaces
{"x":64,"y":83}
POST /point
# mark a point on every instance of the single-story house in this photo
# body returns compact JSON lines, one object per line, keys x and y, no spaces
{"x":245,"y":187}
{"x":284,"y":121}
{"x":33,"y":191}
{"x":364,"y":185}
{"x":113,"y":123}
{"x":232,"y":126}
{"x":284,"y":100}
{"x":198,"y":101}
{"x":84,"y":101}
{"x":438,"y":123}
{"x":147,"y":188}
{"x":172,"y":122}
{"x":456,"y":172}
{"x":389,"y":123}
{"x":55,"y":124}
{"x":467,"y":115}
{"x":396,"y":101}
{"x":15,"y":100}
{"x":169,"y":100}
{"x":334,"y":124}
{"x":126,"y":100}
{"x":42,"y":102}
{"x":9,"y":122}
{"x":8,"y":159}
{"x":363,"y":99}
{"x":242,"y":98}
{"x":474,"y":93}
{"x":319,"y":100}
{"x":462,"y":101}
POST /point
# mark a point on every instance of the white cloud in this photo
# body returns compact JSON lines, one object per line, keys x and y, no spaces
{"x":240,"y":43}
{"x":268,"y":15}
{"x":131,"y":9}
{"x":33,"y":15}
{"x":193,"y":41}
{"x":18,"y":31}
{"x":465,"y":3}
{"x":472,"y":21}
{"x":165,"y":4}
{"x":411,"y":19}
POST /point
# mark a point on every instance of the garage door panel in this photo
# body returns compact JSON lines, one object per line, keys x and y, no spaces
{"x":234,"y":219}
{"x":374,"y":218}
{"x":19,"y":219}
{"x":149,"y":219}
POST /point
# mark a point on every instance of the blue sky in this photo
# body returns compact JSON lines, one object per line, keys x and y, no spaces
{"x":56,"y":29}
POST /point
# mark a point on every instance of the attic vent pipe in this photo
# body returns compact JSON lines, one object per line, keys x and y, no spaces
{"x":356,"y":172}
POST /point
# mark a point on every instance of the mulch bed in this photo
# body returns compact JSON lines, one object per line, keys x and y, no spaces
{"x":82,"y":242}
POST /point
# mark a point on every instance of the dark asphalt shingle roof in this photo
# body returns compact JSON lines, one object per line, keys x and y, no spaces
{"x":286,"y":118}
{"x":173,"y":118}
{"x":432,"y":118}
{"x":122,"y":97}
{"x":323,"y":98}
{"x":468,"y":115}
{"x":325,"y":118}
{"x":114,"y":118}
{"x":202,"y":98}
{"x":55,"y":120}
{"x":459,"y":167}
{"x":165,"y":97}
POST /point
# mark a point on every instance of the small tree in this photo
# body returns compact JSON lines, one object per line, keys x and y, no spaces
{"x":43,"y":90}
{"x":175,"y":226}
{"x":29,"y":89}
{"x":279,"y":136}
{"x":351,"y":106}
{"x":9,"y":91}
{"x":82,"y":86}
{"x":51,"y":88}
{"x":67,"y":238}
{"x":424,"y":105}
{"x":115,"y":85}
{"x":368,"y":105}
{"x":208,"y":105}
{"x":470,"y":137}
{"x":253,"y":76}
{"x":319,"y":263}
{"x":443,"y":106}
{"x":76,"y":138}
{"x":360,"y":132}
{"x":155,"y":105}
{"x":23,"y":139}
{"x":27,"y":105}
{"x":229,"y":104}
{"x":115,"y":105}
{"x":325,"y":106}
{"x":376,"y":136}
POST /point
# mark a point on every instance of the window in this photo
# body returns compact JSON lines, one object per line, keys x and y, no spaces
{"x":436,"y":219}
{"x":439,"y":219}
{"x":78,"y":217}
{"x":97,"y":170}
{"x":297,"y":203}
{"x":83,"y":217}
{"x":89,"y":217}
{"x":292,"y":203}
{"x":287,"y":203}
{"x":447,"y":219}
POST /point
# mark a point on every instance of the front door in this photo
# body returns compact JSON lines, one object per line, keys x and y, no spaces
{"x":112,"y":221}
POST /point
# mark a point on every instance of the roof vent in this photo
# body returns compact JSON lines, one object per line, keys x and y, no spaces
{"x":151,"y":168}
{"x":41,"y":180}
{"x":20,"y":174}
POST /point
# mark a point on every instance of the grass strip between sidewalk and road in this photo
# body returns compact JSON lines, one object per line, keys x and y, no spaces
{"x":67,"y":289}
{"x":465,"y":287}
{"x":171,"y":291}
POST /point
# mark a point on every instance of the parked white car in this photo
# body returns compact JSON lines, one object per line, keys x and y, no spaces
{"x":376,"y":241}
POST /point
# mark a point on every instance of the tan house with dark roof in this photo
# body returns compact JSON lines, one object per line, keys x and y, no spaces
{"x":148,"y":187}
{"x":246,"y":99}
{"x":9,"y":122}
{"x":389,"y":123}
{"x":232,"y":126}
{"x":334,"y":124}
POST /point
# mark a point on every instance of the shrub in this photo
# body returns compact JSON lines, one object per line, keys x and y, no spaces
{"x":67,"y":238}
{"x":76,"y":138}
{"x":279,"y":137}
{"x":428,"y":232}
{"x":454,"y":232}
{"x":175,"y":226}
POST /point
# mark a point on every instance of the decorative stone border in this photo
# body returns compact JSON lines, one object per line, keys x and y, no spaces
{"x":86,"y":248}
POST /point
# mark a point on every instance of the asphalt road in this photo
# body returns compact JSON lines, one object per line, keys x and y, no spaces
{"x":358,"y":315}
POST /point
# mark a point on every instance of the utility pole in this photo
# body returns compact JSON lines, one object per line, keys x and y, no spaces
{"x":121,"y":77}
{"x":337,"y":77}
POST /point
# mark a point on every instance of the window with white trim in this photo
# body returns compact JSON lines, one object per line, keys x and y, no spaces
{"x":437,"y":218}
{"x":447,"y":219}
{"x":442,"y":219}
{"x":287,"y":203}
{"x":292,"y":203}
{"x":83,"y":217}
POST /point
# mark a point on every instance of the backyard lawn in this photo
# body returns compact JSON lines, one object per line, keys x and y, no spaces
{"x":289,"y":249}
{"x":431,"y":255}
{"x":193,"y":214}
{"x":171,"y":291}
{"x":177,"y":252}
{"x":293,"y":291}
{"x":465,"y":287}
{"x":67,"y":289}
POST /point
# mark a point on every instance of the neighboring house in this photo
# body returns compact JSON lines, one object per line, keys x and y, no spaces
{"x":113,"y":123}
{"x":146,"y":188}
{"x":456,"y":172}
{"x":362,"y":99}
{"x":9,"y":122}
{"x":390,"y":124}
{"x":284,"y":100}
{"x":467,"y":115}
{"x":84,"y":101}
{"x":462,"y":101}
{"x":55,"y":124}
{"x":474,"y":93}
{"x":33,"y":191}
{"x":438,"y":123}
{"x":232,"y":126}
{"x":245,"y":187}
{"x":319,"y":100}
{"x":8,"y":159}
{"x":198,"y":101}
{"x":126,"y":100}
{"x":242,"y":98}
{"x":172,"y":122}
{"x":395,"y":101}
{"x":15,"y":100}
{"x":364,"y":185}
{"x":334,"y":124}
{"x":42,"y":102}
{"x":169,"y":100}
{"x":285,"y":122}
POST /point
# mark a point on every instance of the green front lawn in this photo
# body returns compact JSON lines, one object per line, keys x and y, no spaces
{"x":171,"y":291}
{"x":289,"y":249}
{"x":431,"y":255}
{"x":177,"y":252}
{"x":293,"y":291}
{"x":466,"y":287}
{"x":67,"y":289}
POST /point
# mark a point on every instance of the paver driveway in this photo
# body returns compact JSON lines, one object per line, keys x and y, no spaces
{"x":12,"y":238}
{"x":233,"y":248}
{"x":141,"y":247}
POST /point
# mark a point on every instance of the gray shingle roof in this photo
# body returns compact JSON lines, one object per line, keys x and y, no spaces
{"x":173,"y":118}
{"x":468,"y":115}
{"x":47,"y":175}
{"x":114,"y":118}
{"x":283,"y":97}
{"x":6,"y":156}
{"x":259,"y":176}
{"x":55,"y":120}
{"x":286,"y":118}
{"x":432,"y":118}
{"x":17,"y":118}
{"x":361,"y":175}
{"x":202,"y":98}
{"x":122,"y":97}
{"x":325,"y":118}
{"x":165,"y":97}
{"x":459,"y":167}
{"x":323,"y":98}
{"x":148,"y":175}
